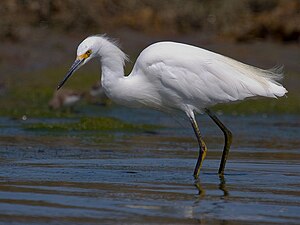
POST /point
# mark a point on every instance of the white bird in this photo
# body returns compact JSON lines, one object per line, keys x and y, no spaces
{"x":173,"y":77}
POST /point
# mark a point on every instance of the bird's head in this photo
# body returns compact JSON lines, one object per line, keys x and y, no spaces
{"x":86,"y":50}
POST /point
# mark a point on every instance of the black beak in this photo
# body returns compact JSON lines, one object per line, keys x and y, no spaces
{"x":70,"y":72}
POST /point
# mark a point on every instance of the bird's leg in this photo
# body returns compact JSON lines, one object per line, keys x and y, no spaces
{"x":228,"y":139}
{"x":202,"y":147}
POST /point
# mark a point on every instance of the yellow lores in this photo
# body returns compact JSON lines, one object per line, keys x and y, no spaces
{"x":85,"y":55}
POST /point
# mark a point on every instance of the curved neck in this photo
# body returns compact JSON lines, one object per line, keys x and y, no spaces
{"x":112,"y":61}
{"x":124,"y":90}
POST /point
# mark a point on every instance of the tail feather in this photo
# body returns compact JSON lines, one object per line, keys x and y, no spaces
{"x":274,"y":75}
{"x":255,"y":80}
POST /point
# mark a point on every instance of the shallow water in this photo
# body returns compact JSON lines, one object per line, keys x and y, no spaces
{"x":51,"y":177}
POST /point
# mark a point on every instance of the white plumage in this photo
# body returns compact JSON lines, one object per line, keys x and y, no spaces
{"x":184,"y":76}
{"x":171,"y":76}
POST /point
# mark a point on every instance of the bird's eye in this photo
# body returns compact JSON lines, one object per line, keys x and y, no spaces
{"x":88,"y":52}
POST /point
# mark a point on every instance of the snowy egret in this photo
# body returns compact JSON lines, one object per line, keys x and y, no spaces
{"x":173,"y":77}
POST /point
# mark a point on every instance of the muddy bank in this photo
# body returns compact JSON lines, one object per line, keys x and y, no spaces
{"x":43,"y":50}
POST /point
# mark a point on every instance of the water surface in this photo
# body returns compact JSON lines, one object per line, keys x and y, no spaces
{"x":145,"y":177}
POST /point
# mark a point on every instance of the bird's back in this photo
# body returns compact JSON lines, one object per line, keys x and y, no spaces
{"x":187,"y":76}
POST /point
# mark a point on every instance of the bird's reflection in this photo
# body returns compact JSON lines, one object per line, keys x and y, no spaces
{"x":222,"y":187}
{"x":201,"y":190}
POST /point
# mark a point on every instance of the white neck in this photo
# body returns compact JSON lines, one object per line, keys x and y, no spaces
{"x":130,"y":90}
{"x":112,"y":61}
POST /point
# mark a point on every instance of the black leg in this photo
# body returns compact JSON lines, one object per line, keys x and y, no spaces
{"x":228,"y":139}
{"x":202,"y":147}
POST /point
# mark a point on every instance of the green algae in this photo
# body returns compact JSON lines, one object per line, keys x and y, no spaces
{"x":30,"y":97}
{"x":28,"y":94}
{"x":91,"y":124}
{"x":290,"y":105}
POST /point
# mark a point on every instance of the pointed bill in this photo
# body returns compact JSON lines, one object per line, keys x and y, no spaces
{"x":75,"y":66}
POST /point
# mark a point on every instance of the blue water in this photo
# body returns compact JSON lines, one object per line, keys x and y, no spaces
{"x":51,"y":177}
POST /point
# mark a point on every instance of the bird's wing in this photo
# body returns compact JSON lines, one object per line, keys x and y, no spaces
{"x":180,"y":85}
{"x":205,"y":78}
